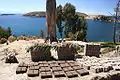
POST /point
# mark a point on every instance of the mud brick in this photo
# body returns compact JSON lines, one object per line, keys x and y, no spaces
{"x":70,"y":61}
{"x":74,"y":73}
{"x":60,"y":62}
{"x":36,"y":73}
{"x":44,"y":62}
{"x":83,"y":72}
{"x":23,"y":65}
{"x":40,"y":62}
{"x":56,"y":69}
{"x":49,"y":74}
{"x":59,"y":74}
{"x":54,"y":65}
{"x":65,"y":65}
{"x":31,"y":64}
{"x":43,"y":65}
{"x":110,"y":67}
{"x":68,"y":69}
{"x":77,"y":67}
{"x":106,"y":69}
{"x":116,"y":68}
{"x":97,"y":69}
{"x":36,"y":64}
{"x":87,"y":67}
{"x":30,"y":73}
{"x":24,"y":69}
{"x":52,"y":62}
{"x":43,"y":74}
{"x":18,"y":70}
{"x":42,"y":69}
{"x":36,"y":67}
{"x":45,"y":69}
{"x":73,"y":64}
{"x":71,"y":74}
{"x":21,"y":70}
{"x":31,"y":67}
{"x":46,"y":75}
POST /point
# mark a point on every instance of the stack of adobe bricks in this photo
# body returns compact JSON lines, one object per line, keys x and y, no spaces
{"x":66,"y":52}
{"x":92,"y":50}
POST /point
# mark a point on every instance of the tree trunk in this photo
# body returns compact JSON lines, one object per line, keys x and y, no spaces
{"x":51,"y":19}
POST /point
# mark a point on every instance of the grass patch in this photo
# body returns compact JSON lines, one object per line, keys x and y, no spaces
{"x":106,"y":44}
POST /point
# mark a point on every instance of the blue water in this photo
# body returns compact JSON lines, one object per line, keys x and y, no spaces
{"x":97,"y":30}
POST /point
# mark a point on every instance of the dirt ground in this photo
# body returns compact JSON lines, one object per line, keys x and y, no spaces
{"x":8,"y":71}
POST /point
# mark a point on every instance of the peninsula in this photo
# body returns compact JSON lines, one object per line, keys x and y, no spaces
{"x":43,"y":14}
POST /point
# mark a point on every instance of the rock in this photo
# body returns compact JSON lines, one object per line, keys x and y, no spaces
{"x":11,"y":59}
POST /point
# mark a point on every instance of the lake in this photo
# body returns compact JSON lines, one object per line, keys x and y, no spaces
{"x":97,"y":30}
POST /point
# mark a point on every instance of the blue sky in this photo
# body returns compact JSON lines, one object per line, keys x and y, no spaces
{"x":85,"y":6}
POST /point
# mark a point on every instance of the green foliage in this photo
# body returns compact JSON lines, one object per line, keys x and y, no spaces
{"x":75,"y":26}
{"x":11,"y":39}
{"x":108,"y":44}
{"x":59,"y":19}
{"x":42,"y":47}
{"x":103,"y":18}
{"x":5,"y":33}
{"x":3,"y":40}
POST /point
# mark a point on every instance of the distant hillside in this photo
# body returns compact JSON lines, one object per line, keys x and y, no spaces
{"x":42,"y":14}
{"x":81,"y":14}
{"x":35,"y":14}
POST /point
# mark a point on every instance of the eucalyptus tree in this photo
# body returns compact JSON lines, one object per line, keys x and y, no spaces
{"x":59,"y":20}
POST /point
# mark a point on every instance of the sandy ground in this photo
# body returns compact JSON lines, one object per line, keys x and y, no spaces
{"x":8,"y":71}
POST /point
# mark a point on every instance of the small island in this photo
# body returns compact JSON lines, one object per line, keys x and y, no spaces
{"x":43,"y":14}
{"x":6,"y":14}
{"x":35,"y":14}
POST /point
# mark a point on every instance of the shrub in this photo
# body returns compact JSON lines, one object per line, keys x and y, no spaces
{"x":11,"y":39}
{"x":68,"y":39}
{"x":33,"y":37}
{"x":5,"y":33}
{"x":3,"y":40}
{"x":27,"y":39}
{"x":21,"y":37}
